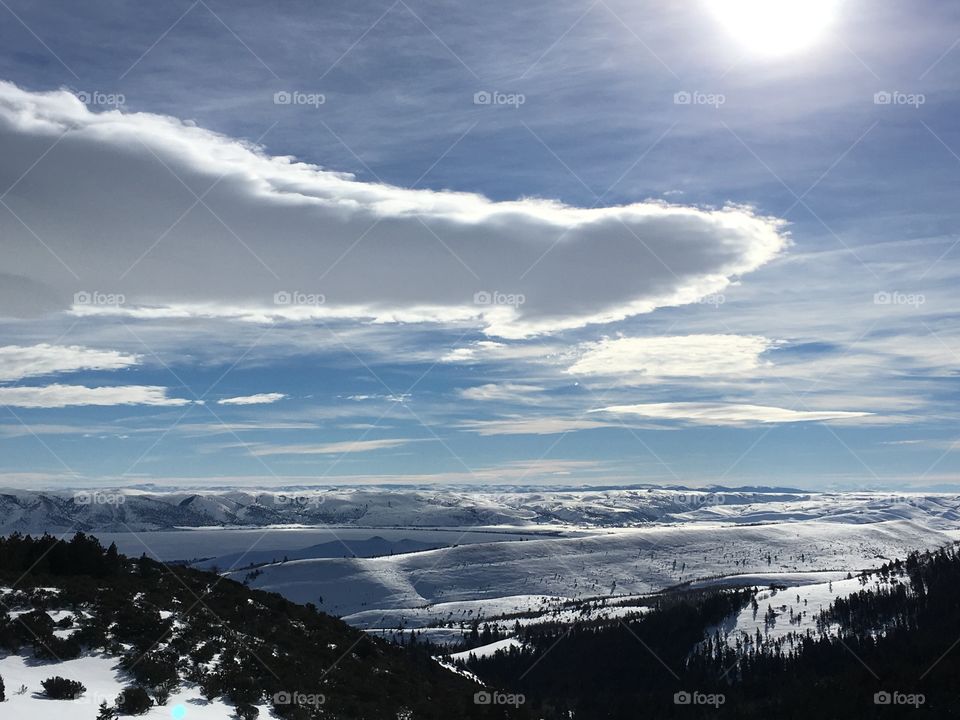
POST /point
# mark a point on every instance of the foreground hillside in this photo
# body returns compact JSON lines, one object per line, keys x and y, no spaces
{"x":189,"y":644}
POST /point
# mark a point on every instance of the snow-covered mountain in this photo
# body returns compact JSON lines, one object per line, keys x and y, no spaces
{"x":125,"y":510}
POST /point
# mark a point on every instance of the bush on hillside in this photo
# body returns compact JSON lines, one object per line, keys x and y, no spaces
{"x":134,"y":701}
{"x":58,"y":688}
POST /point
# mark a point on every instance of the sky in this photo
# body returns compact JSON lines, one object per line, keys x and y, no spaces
{"x":574,"y":243}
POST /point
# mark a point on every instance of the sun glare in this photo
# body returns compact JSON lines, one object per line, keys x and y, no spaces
{"x":775,"y":27}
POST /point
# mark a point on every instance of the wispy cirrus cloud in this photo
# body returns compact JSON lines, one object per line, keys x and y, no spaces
{"x":717,"y":413}
{"x":59,"y":396}
{"x":333,"y":448}
{"x":533,"y":425}
{"x":493,"y":351}
{"x":502,"y":392}
{"x":258,"y":399}
{"x":23,"y":361}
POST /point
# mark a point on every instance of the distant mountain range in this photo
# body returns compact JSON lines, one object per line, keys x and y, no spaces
{"x":386,"y":507}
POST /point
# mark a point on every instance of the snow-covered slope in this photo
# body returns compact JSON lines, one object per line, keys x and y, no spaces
{"x":103,"y":680}
{"x":368,"y":547}
{"x":607,"y":563}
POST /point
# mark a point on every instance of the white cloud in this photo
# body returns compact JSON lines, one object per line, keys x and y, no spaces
{"x":334,"y":448}
{"x":17,"y":429}
{"x":728,"y":414}
{"x":19,"y":361}
{"x":948,"y":445}
{"x":58,"y":396}
{"x":491,"y":351}
{"x":532,"y":426}
{"x":259,"y":399}
{"x":337,"y":247}
{"x":398,"y":398}
{"x":502,"y":392}
{"x":639,"y":358}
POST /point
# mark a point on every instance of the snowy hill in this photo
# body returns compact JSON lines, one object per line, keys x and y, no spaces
{"x":609,"y":562}
{"x":371,"y":547}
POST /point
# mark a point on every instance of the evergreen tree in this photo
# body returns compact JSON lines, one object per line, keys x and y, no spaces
{"x":58,"y":688}
{"x":112,"y":560}
{"x":134,"y":701}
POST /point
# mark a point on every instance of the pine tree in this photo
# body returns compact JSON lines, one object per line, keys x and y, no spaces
{"x":106,"y":712}
{"x":112,"y":560}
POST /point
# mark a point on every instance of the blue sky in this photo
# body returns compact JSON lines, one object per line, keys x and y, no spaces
{"x":593,"y":243}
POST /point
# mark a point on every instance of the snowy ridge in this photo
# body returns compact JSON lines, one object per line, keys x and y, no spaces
{"x":385,"y":507}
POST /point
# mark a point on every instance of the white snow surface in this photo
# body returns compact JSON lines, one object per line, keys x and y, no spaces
{"x":804,"y":603}
{"x":609,"y":563}
{"x":103,"y":680}
{"x":487,"y":650}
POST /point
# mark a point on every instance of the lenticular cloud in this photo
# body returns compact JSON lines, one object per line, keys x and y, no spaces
{"x":116,"y":212}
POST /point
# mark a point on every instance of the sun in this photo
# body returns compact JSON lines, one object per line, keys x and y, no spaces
{"x":775,"y":27}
